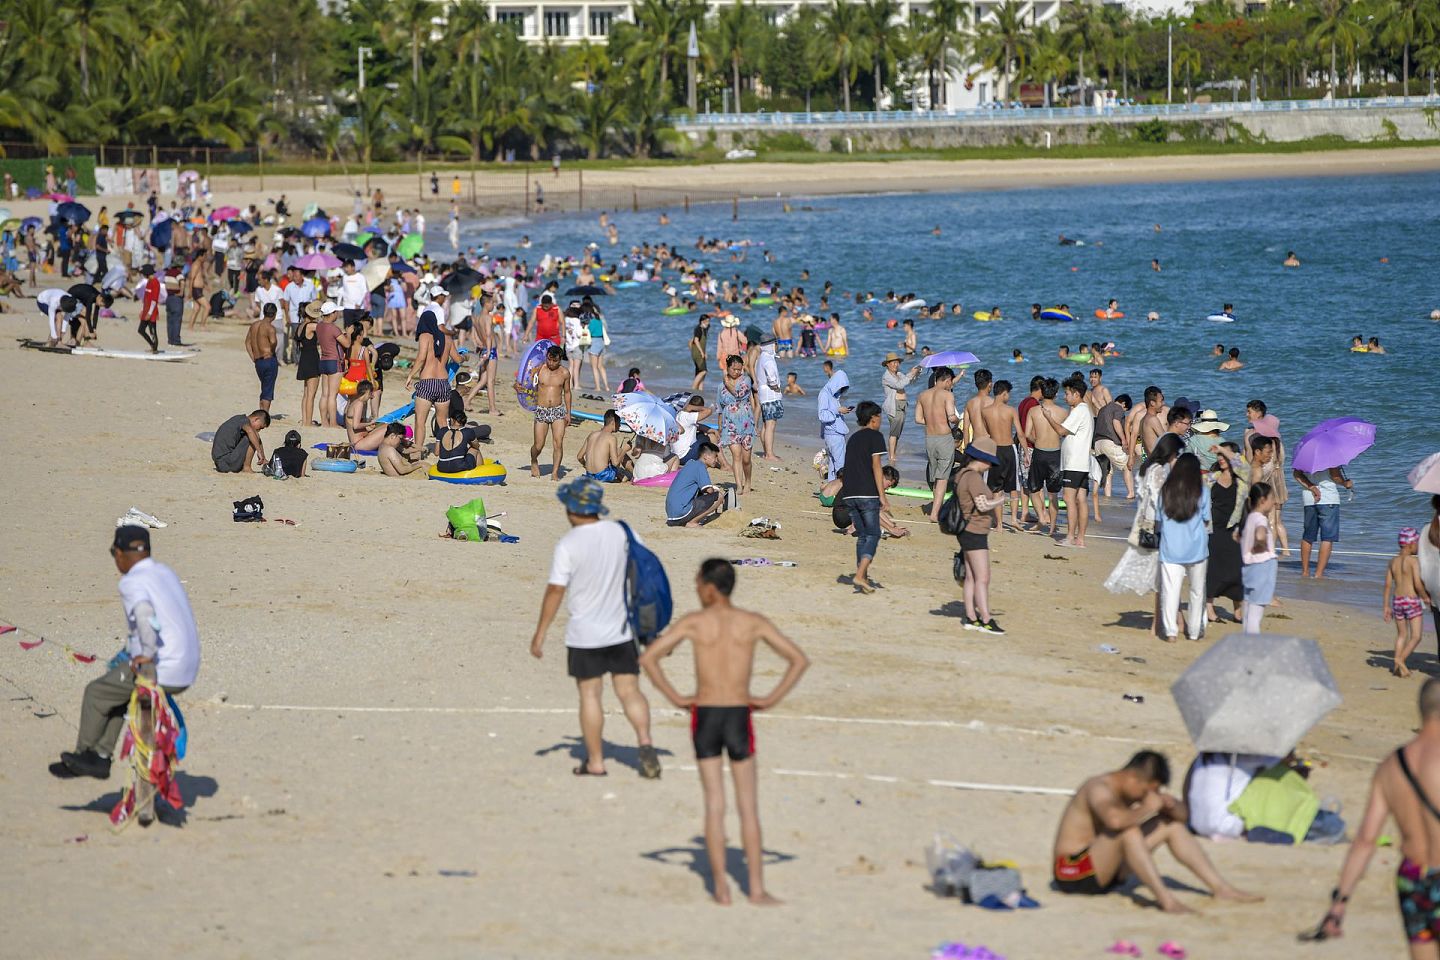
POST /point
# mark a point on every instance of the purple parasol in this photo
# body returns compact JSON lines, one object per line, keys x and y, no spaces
{"x":1333,"y":443}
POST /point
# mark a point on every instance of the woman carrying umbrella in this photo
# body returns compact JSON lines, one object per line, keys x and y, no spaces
{"x":739,"y":412}
{"x":1430,"y":560}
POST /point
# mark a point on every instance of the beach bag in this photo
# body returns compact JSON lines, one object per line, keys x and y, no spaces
{"x":952,"y":518}
{"x":1145,"y":533}
{"x":467,"y":522}
{"x":648,"y":604}
{"x":249,"y":510}
{"x":997,"y":882}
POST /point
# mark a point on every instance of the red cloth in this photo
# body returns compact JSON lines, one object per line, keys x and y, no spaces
{"x":547,"y":323}
{"x":150,"y":305}
{"x":1026,"y":405}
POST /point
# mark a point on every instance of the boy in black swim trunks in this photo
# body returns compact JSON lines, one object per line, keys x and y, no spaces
{"x":724,"y":638}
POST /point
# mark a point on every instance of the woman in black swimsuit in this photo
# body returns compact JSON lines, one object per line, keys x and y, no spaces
{"x":307,"y":370}
{"x":452,"y":444}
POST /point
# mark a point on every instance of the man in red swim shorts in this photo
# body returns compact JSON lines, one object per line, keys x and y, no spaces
{"x":724,"y":638}
{"x":1112,"y":827}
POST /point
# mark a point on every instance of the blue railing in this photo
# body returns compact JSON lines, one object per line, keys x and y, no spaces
{"x":1019,"y":114}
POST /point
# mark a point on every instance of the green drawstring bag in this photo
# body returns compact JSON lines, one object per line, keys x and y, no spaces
{"x":467,"y":522}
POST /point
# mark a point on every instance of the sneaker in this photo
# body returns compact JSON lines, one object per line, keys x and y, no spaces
{"x":649,"y":763}
{"x":87,"y":764}
{"x":974,"y":625}
{"x":992,"y":627}
{"x":145,"y":518}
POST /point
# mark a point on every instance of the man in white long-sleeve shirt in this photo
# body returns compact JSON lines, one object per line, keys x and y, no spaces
{"x":163,"y":644}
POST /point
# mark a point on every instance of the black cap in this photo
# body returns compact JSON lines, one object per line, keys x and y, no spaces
{"x":131,"y":537}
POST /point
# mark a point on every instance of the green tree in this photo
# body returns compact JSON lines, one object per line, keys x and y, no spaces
{"x":1085,"y":33}
{"x":1049,"y":63}
{"x":1402,"y":22}
{"x":1335,"y":28}
{"x":941,"y":38}
{"x":738,"y":36}
{"x":885,"y":38}
{"x":842,"y":25}
{"x":1003,"y":41}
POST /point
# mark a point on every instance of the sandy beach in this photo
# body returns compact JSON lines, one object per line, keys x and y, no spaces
{"x":377,"y":764}
{"x":502,"y":190}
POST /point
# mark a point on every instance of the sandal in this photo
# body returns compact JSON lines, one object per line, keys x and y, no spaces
{"x":1124,"y":948}
{"x":1172,"y":950}
{"x":584,"y":771}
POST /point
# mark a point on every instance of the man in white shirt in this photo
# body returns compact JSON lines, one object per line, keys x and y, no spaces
{"x":58,"y":307}
{"x":1076,"y":433}
{"x":163,"y":645}
{"x":588,"y":572}
{"x":354,"y":292}
{"x":298,"y":292}
{"x":767,"y":391}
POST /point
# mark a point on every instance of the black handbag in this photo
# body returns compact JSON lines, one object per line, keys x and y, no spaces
{"x":958,"y":569}
{"x":1148,"y":539}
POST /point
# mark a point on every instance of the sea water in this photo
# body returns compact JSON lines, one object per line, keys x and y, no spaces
{"x":1370,"y":267}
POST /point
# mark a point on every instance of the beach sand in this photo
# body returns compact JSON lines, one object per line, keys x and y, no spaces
{"x":368,"y":720}
{"x":506,"y":190}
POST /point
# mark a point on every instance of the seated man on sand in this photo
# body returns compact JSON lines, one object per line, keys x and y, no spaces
{"x":393,"y":462}
{"x":692,"y":498}
{"x":1112,"y":826}
{"x":602,"y":455}
{"x":237,"y":442}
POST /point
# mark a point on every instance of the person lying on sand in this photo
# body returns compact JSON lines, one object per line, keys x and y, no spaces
{"x":1114,"y":823}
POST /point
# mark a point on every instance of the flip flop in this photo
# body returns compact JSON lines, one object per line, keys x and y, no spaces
{"x":1172,"y":950}
{"x":992,"y":902}
{"x":1124,"y":948}
{"x":584,"y":771}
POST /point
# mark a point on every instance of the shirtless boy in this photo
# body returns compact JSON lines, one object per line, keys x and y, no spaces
{"x":782,"y":327}
{"x":552,"y":411}
{"x":260,"y":345}
{"x":1112,"y":827}
{"x":1405,"y":599}
{"x":1044,"y":476}
{"x":601,"y":455}
{"x":1406,"y":787}
{"x":1003,"y":426}
{"x":907,"y":345}
{"x":935,"y":411}
{"x":1098,"y":395}
{"x":724,"y":638}
{"x":974,"y":421}
{"x":1148,"y":421}
{"x":393,"y":463}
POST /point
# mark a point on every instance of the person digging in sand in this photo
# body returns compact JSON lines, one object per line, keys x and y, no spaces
{"x":721,"y":709}
{"x":1112,"y":827}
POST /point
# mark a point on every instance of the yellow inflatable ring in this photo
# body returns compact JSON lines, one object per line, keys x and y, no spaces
{"x":489,"y":472}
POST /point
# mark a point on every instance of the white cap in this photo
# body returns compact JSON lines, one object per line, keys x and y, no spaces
{"x":329,"y":307}
{"x":439,"y":292}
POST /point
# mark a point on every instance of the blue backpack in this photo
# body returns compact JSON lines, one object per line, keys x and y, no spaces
{"x":647,"y":591}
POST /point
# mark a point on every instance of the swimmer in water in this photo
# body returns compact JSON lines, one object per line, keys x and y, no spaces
{"x":1155,"y":265}
{"x":664,"y":219}
{"x":907,"y":345}
{"x":1219,"y":350}
{"x":1291,"y":260}
{"x":994,"y":312}
{"x":1066,"y":241}
{"x":525,"y":243}
{"x":792,"y":385}
{"x":1374,"y":346}
{"x":1112,"y":309}
{"x":1035,"y":311}
{"x":1357,"y":345}
{"x":1064,"y":352}
{"x":1228,"y":311}
{"x":1016,"y":356}
{"x":1232,"y":362}
{"x":935,"y":232}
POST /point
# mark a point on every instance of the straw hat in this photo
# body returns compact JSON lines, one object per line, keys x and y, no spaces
{"x":892,"y":355}
{"x":312,"y":309}
{"x":730,"y":321}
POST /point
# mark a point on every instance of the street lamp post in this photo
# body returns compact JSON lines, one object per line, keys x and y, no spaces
{"x":692,"y":54}
{"x":360,"y":54}
{"x":1169,"y":62}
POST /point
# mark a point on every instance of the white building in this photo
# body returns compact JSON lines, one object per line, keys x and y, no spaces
{"x":574,"y":22}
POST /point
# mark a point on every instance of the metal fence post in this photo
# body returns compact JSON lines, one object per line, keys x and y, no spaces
{"x":735,"y":208}
{"x":580,"y":179}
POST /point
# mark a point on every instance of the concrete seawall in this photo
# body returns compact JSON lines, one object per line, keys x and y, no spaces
{"x":1360,"y":125}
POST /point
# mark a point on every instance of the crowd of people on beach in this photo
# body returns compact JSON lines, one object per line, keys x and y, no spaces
{"x":347,"y":300}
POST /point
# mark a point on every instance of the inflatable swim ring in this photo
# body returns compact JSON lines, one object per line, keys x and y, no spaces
{"x":334,"y":466}
{"x":1055,"y":313}
{"x":1079,"y":358}
{"x":664,"y":480}
{"x":1359,"y":349}
{"x":912,"y":304}
{"x":982,"y":315}
{"x":1220,"y":318}
{"x":325,"y":447}
{"x":627,"y":284}
{"x":488,"y":472}
{"x":1102,"y":315}
{"x":527,"y":373}
{"x":761,"y":301}
{"x":675,"y":311}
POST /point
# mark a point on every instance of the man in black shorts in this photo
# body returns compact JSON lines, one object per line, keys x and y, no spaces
{"x":1044,"y":476}
{"x":588,"y":572}
{"x":724,"y":638}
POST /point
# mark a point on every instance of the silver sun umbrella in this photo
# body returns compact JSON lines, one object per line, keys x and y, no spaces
{"x":1255,"y":693}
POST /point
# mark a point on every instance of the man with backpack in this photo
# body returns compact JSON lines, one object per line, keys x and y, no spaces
{"x":588,"y":572}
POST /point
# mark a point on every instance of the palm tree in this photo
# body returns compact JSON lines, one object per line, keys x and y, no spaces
{"x":1049,"y":63}
{"x":884,"y":34}
{"x":1084,"y":32}
{"x":664,"y":31}
{"x":1335,"y":27}
{"x":842,"y":25}
{"x":1004,"y":40}
{"x":942,"y":37}
{"x":1403,"y":22}
{"x":602,"y":109}
{"x":1188,"y":58}
{"x":92,"y":24}
{"x":737,"y":35}
{"x":411,"y":21}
